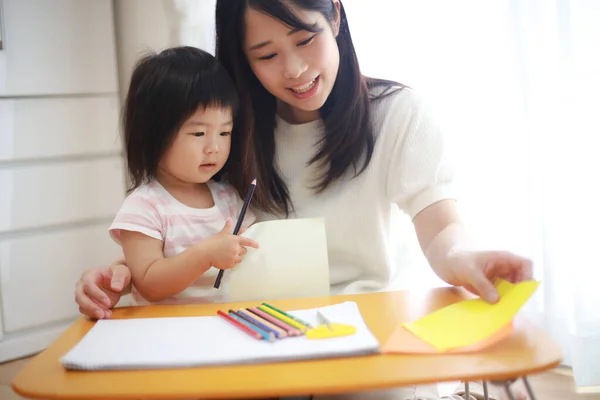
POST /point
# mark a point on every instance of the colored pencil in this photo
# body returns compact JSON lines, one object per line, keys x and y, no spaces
{"x":258,"y":322}
{"x":238,"y":225}
{"x":265,"y":335}
{"x":239,"y":325}
{"x":282,"y":332}
{"x":289,"y":329}
{"x":306,"y":324}
{"x":258,"y":326}
{"x":283,"y":318}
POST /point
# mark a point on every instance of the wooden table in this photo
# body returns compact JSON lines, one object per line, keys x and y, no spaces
{"x":528,"y":351}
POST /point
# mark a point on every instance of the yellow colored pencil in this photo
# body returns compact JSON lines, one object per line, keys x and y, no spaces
{"x":283,"y":318}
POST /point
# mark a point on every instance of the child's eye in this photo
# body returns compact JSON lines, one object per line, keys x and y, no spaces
{"x":269,"y":57}
{"x":225,"y":133}
{"x":197,"y":134}
{"x":307,"y":41}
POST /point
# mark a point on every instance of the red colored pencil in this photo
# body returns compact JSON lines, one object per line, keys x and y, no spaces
{"x":243,"y":327}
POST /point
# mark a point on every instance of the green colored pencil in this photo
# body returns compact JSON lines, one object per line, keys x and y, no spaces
{"x":288,"y":315}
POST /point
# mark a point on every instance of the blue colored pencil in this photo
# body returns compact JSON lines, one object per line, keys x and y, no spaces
{"x":248,"y":317}
{"x":265,"y":335}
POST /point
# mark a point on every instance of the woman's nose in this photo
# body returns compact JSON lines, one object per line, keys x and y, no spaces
{"x":294,"y":67}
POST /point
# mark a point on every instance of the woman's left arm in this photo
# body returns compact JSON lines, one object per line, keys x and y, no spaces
{"x":454,"y":257}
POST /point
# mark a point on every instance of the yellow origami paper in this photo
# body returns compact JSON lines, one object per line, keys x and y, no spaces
{"x":471,"y":321}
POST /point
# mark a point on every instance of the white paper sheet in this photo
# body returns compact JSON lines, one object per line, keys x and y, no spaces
{"x":180,"y":342}
{"x":291,"y":262}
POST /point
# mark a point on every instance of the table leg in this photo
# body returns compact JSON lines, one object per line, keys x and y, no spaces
{"x":467,"y":394}
{"x":528,"y":387}
{"x":508,"y":390}
{"x":486,"y":395}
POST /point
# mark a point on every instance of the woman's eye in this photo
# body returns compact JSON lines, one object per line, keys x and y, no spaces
{"x":269,"y":57}
{"x":307,"y":41}
{"x":198,"y":134}
{"x":225,"y":133}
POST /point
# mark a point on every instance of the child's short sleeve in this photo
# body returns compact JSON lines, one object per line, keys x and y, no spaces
{"x":139,"y":214}
{"x":418,"y":169}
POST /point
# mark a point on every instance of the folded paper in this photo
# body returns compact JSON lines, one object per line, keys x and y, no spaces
{"x":463,"y":327}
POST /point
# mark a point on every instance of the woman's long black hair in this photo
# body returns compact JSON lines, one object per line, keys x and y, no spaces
{"x":349,"y":138}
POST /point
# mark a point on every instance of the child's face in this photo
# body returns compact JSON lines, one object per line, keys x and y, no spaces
{"x":201,"y":146}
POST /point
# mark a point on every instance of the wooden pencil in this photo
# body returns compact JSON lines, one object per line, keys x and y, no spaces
{"x":258,"y":322}
{"x":239,"y":325}
{"x":282,"y":332}
{"x":290,"y":316}
{"x":265,"y":335}
{"x":303,"y":328}
{"x":238,"y":225}
{"x":288,"y":328}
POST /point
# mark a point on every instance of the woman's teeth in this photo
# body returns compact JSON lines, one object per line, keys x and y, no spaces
{"x":304,"y":88}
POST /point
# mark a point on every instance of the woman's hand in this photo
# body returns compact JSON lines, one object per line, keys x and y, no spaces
{"x":457,"y":260}
{"x":99,"y":290}
{"x":477,"y":271}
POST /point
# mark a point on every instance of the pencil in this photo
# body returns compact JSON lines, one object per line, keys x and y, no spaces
{"x":263,"y":334}
{"x":283,"y":318}
{"x":289,"y":329}
{"x":282,"y":332}
{"x":238,"y":225}
{"x":258,"y":322}
{"x":288,"y":315}
{"x":240,"y":326}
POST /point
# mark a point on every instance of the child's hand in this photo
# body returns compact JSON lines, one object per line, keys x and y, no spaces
{"x":226,"y":249}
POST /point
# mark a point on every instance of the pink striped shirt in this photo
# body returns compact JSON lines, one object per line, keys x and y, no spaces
{"x":152,"y":210}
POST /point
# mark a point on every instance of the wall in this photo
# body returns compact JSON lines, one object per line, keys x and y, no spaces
{"x":152,"y":25}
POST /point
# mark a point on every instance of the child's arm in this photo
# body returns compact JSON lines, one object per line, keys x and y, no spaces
{"x":157,"y":277}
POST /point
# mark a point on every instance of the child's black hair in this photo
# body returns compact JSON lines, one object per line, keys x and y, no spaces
{"x":166,"y":88}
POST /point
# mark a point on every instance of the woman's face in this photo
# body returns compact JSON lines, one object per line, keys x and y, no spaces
{"x":296,"y":66}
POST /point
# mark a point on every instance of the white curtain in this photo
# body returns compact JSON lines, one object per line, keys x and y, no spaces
{"x":516,"y":86}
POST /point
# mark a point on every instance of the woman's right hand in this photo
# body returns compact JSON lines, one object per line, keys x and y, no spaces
{"x":99,"y":290}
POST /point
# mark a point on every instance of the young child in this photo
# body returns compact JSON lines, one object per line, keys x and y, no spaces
{"x":175,"y":225}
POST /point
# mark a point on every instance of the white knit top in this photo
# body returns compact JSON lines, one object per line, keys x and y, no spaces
{"x":409,"y":170}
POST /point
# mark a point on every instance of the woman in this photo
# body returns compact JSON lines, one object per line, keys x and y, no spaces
{"x":325,"y":141}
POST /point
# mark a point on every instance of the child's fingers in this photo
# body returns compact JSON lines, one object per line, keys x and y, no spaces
{"x":228,"y":228}
{"x":244,"y":241}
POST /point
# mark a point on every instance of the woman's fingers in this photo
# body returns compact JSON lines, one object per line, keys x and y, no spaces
{"x":87,"y":306}
{"x":483,"y":286}
{"x":94,"y":292}
{"x":121,"y":277}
